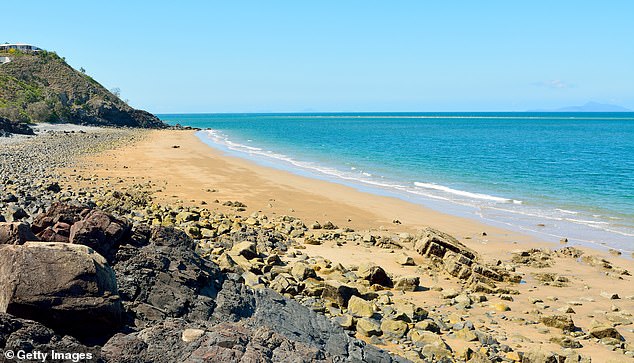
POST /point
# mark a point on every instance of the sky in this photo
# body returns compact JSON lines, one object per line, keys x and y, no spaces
{"x":333,"y":55}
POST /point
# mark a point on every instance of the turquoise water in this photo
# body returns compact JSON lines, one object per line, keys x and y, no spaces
{"x":571,"y":172}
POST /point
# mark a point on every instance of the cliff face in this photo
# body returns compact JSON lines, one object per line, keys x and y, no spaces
{"x":42,"y":87}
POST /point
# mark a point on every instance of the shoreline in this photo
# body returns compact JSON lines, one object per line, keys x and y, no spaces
{"x":187,"y":174}
{"x":544,"y":223}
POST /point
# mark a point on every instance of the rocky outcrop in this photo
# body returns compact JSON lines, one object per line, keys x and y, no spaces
{"x":21,"y":334}
{"x":69,"y":288}
{"x":15,"y":233}
{"x":42,"y":87}
{"x":8,"y":127}
{"x":458,"y":260}
{"x":170,"y":304}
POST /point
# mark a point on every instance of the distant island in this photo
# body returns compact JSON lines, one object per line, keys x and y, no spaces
{"x":587,"y":107}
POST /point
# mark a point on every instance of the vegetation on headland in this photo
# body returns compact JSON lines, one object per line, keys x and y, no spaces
{"x":42,"y":87}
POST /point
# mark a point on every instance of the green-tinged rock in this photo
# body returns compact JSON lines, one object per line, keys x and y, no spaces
{"x":245,"y":249}
{"x":393,"y":328}
{"x":368,"y":327}
{"x":360,"y":308}
{"x":407,"y":283}
{"x":563,"y":322}
{"x":301,"y":271}
{"x":466,"y":335}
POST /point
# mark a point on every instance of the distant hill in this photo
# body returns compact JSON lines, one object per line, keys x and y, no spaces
{"x":42,"y":87}
{"x":588,"y":107}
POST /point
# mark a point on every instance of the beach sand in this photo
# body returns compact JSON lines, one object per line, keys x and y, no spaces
{"x":190,"y":173}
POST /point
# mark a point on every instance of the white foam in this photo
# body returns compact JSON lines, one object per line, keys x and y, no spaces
{"x":465,"y":193}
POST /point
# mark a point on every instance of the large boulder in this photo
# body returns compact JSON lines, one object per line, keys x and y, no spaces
{"x":15,"y":233}
{"x":69,"y":288}
{"x":100,"y":231}
{"x":162,"y":277}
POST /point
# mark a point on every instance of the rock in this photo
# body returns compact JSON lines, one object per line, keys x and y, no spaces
{"x":190,"y":335}
{"x":15,"y":213}
{"x":301,"y":271}
{"x":405,"y":260}
{"x":563,"y":322}
{"x":360,"y":308}
{"x":566,"y":342}
{"x":393,"y":329}
{"x":29,"y":336}
{"x":422,"y":338}
{"x":368,"y":327}
{"x":345,"y":321}
{"x":166,"y":278}
{"x":246,"y":249}
{"x":70,"y":288}
{"x":374,"y":274}
{"x":99,"y":231}
{"x":610,"y":295}
{"x":338,"y":293}
{"x":501,"y":307}
{"x":15,"y":233}
{"x":329,"y":225}
{"x":428,"y":325}
{"x":604,"y":331}
{"x":407,"y":283}
{"x":466,"y":334}
{"x":226,"y":263}
{"x":285,"y":284}
{"x":409,"y":312}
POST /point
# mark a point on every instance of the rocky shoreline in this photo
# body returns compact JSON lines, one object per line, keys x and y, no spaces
{"x":152,"y":282}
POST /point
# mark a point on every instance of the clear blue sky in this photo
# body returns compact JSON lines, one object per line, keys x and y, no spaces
{"x":335,"y":55}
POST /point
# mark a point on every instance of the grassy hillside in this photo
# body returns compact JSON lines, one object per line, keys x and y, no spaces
{"x":42,"y":87}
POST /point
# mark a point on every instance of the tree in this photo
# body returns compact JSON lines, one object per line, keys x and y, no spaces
{"x":82,"y":70}
{"x":116,"y":91}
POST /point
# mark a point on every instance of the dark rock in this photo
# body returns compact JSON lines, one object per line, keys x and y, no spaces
{"x":338,"y":292}
{"x":99,"y":231}
{"x":15,"y":233}
{"x":375,"y":275}
{"x":20,"y":334}
{"x":165,"y":278}
{"x":69,"y":288}
{"x":8,"y":127}
{"x":58,"y":212}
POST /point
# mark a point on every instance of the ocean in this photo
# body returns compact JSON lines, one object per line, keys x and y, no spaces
{"x":552,"y":175}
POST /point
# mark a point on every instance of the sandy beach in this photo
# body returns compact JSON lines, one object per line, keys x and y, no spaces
{"x":182,"y":170}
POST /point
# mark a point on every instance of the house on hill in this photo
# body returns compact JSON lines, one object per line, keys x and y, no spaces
{"x":23,"y":47}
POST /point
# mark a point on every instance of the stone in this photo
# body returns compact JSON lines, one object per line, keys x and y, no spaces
{"x":407,"y":283}
{"x":610,"y":295}
{"x":69,"y":288}
{"x":563,"y":322}
{"x":374,"y":274}
{"x":360,"y":308}
{"x":405,"y":260}
{"x":501,"y":307}
{"x":99,"y":231}
{"x":393,"y":329}
{"x":246,"y":249}
{"x":368,"y":327}
{"x":409,"y":312}
{"x":301,"y":271}
{"x":604,"y":331}
{"x":226,"y":263}
{"x":338,"y":293}
{"x":15,"y":233}
{"x":422,"y":338}
{"x":190,"y":335}
{"x":466,"y":335}
{"x":346,"y":321}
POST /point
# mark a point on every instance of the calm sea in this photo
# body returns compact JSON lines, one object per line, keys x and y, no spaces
{"x":552,"y":175}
